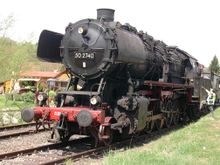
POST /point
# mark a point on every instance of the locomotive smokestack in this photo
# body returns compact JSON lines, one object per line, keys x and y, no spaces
{"x":105,"y":14}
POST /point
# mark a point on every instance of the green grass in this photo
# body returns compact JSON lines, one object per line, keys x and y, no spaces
{"x":13,"y":105}
{"x":12,"y":116}
{"x":197,"y":143}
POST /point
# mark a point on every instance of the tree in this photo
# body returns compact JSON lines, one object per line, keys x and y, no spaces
{"x":5,"y":25}
{"x":214,"y":65}
{"x":15,"y":57}
{"x":18,"y":56}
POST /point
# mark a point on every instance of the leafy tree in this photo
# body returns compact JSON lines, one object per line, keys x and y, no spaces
{"x":5,"y":25}
{"x":15,"y":57}
{"x":214,"y":65}
{"x":18,"y":56}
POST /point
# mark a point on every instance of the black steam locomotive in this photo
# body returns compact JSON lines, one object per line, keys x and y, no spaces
{"x":122,"y":81}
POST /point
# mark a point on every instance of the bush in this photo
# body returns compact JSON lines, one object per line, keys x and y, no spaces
{"x":52,"y":94}
{"x":13,"y":97}
{"x":18,"y":97}
{"x":9,"y":96}
{"x":28,"y":97}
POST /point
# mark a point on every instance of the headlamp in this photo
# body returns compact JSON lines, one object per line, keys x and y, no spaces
{"x":40,"y":97}
{"x":95,"y":100}
{"x":82,"y":30}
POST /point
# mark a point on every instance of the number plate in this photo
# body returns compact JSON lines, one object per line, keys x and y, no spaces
{"x":84,"y":55}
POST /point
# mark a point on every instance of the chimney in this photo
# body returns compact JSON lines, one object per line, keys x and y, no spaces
{"x":105,"y":14}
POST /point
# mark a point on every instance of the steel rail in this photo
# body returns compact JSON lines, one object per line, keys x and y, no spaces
{"x":29,"y":151}
{"x":15,"y":134}
{"x":16,"y":126}
{"x":116,"y":145}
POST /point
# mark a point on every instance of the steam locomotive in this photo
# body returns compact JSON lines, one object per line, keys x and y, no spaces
{"x":122,"y":81}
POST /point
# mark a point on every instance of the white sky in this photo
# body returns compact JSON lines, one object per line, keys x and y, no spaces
{"x":192,"y":25}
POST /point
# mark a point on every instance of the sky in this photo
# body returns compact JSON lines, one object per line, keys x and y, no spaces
{"x":192,"y":25}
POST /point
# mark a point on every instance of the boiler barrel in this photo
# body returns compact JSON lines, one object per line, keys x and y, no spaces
{"x":130,"y":47}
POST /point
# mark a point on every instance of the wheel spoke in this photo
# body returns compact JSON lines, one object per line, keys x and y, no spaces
{"x":158,"y":124}
{"x":176,"y":117}
{"x":169,"y":113}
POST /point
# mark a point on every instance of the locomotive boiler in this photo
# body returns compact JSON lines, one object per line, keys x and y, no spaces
{"x":122,"y":81}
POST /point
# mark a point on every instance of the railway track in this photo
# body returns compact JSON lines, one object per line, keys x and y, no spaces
{"x":79,"y":149}
{"x":40,"y":148}
{"x":16,"y":130}
{"x":117,"y":145}
{"x":4,"y":158}
{"x":16,"y":126}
